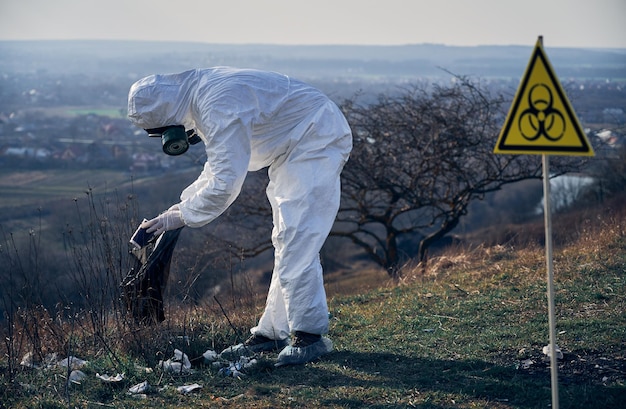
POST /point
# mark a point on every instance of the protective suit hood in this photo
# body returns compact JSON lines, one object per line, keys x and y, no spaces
{"x":162,"y":100}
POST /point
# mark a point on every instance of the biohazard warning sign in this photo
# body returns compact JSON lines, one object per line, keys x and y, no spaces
{"x":541,"y":119}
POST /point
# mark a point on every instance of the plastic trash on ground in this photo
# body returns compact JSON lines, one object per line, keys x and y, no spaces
{"x":546,"y":351}
{"x":178,"y":364}
{"x":188,"y":388}
{"x":235,"y":351}
{"x":73,"y":362}
{"x":107,"y":378}
{"x":142,"y":387}
{"x":76,"y":376}
{"x":210,"y":356}
{"x":527,"y":363}
{"x":234,"y":369}
{"x":28,"y":360}
{"x":248,"y":363}
{"x":299,"y":355}
{"x":143,"y":369}
{"x":231,"y":371}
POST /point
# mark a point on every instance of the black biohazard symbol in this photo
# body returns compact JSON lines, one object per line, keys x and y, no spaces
{"x":541,"y":118}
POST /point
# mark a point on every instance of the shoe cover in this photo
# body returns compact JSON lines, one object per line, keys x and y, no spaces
{"x":239,"y":350}
{"x":291,"y":355}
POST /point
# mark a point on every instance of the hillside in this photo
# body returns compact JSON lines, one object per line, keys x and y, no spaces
{"x":465,"y":330}
{"x":468,"y":333}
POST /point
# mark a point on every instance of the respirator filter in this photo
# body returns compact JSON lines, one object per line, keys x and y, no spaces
{"x":175,"y":140}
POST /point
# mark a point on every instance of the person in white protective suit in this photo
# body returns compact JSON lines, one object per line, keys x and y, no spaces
{"x":250,"y":119}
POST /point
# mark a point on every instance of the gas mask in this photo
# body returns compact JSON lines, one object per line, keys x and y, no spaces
{"x":175,"y":139}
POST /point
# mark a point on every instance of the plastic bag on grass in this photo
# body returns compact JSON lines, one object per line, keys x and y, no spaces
{"x":143,"y":286}
{"x":178,"y":364}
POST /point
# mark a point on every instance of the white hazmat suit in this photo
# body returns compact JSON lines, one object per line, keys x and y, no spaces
{"x":248,"y":120}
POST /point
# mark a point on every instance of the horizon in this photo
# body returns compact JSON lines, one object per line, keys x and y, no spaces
{"x":195,"y":42}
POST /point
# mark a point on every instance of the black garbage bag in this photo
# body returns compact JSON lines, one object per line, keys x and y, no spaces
{"x":144,"y":285}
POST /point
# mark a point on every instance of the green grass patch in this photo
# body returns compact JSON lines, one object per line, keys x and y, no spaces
{"x":29,"y":187}
{"x":468,"y":333}
{"x":112,"y":113}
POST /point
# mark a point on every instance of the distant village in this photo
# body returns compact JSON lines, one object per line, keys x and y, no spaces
{"x":32,"y":140}
{"x":29,"y":139}
{"x":45,"y":120}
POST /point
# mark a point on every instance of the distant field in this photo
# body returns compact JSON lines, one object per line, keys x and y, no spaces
{"x":110,"y":112}
{"x":69,"y":111}
{"x":45,"y":198}
{"x":24,"y":188}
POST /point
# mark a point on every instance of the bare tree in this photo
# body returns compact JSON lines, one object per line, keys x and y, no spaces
{"x":419,"y":159}
{"x":609,"y":173}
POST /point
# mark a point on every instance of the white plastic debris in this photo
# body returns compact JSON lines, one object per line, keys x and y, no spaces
{"x":76,"y":376}
{"x":117,"y":378}
{"x":180,"y":356}
{"x":142,"y":387}
{"x":210,"y":356}
{"x":28,"y":360}
{"x":73,"y":362}
{"x":143,"y":369}
{"x":231,"y":371}
{"x":547,"y":351}
{"x":188,"y":388}
{"x":173,"y":367}
{"x":178,"y":364}
{"x":234,"y":369}
{"x":527,"y":363}
{"x":250,"y":363}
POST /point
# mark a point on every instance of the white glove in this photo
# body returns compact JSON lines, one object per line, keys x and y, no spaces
{"x":170,"y":219}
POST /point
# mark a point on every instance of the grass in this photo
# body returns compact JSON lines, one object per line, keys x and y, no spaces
{"x":71,"y":111}
{"x":467,"y":333}
{"x":35,"y":187}
{"x":111,"y":112}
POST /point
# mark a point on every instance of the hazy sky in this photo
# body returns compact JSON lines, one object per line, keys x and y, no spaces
{"x":563,"y":23}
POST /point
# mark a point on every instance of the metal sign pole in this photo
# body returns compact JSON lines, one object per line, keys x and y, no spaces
{"x":551,"y":315}
{"x":532,"y":126}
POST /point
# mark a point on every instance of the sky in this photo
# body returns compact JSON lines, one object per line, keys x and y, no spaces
{"x":562,"y":23}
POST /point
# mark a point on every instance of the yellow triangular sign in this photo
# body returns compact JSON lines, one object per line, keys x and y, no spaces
{"x":541,"y":119}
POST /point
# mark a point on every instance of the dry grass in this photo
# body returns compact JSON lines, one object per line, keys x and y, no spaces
{"x":455,"y":335}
